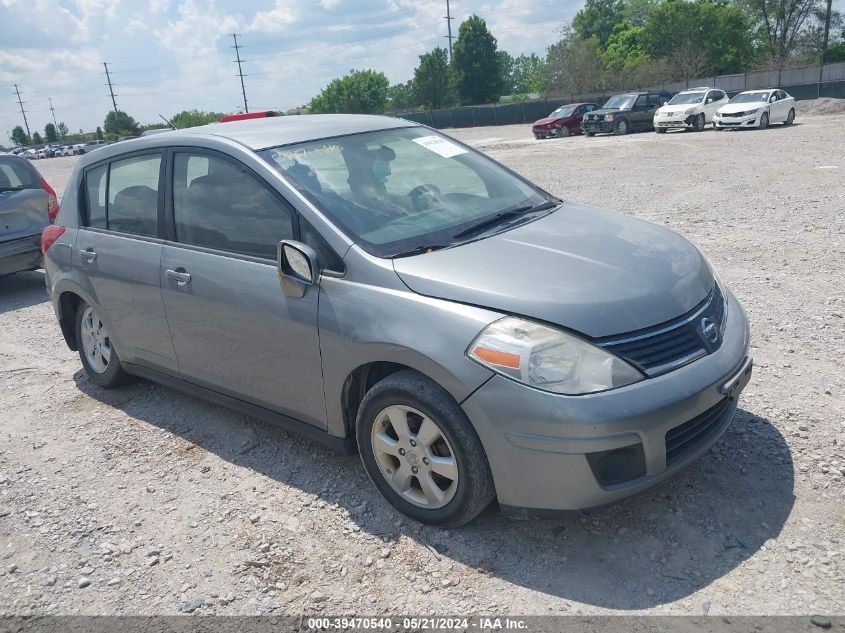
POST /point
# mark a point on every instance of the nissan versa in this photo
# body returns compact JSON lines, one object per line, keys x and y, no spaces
{"x":380,"y":287}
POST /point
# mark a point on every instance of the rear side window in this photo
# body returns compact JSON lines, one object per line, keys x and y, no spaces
{"x":123,"y":195}
{"x":16,"y":176}
{"x":96,"y":181}
{"x":220,"y":205}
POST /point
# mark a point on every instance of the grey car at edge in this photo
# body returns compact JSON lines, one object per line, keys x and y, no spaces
{"x":380,"y":287}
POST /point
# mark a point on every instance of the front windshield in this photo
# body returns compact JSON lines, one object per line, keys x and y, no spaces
{"x":751,"y":97}
{"x":620,"y":102}
{"x":687,"y":97}
{"x":563,"y":111}
{"x":394,"y":191}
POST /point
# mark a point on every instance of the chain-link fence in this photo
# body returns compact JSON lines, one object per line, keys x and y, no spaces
{"x":802,"y":83}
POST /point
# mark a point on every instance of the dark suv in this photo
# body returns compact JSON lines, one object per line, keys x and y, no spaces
{"x":623,"y":113}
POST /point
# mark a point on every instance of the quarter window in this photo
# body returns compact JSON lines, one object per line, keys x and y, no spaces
{"x":219,"y":205}
{"x":96,"y":181}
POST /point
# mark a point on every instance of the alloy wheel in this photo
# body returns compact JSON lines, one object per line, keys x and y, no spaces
{"x":96,"y":343}
{"x":414,"y":456}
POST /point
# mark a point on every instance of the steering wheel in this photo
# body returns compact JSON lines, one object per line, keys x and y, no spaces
{"x":422,"y":195}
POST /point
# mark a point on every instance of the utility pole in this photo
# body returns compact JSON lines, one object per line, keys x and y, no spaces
{"x":23,"y":112}
{"x":238,"y":60}
{"x":827,"y":29}
{"x":111,"y":89}
{"x":449,"y":19}
{"x":53,"y":112}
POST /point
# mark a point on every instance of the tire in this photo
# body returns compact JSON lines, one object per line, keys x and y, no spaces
{"x":621,"y":128}
{"x":106,"y":374}
{"x":423,"y":408}
{"x":660,"y":130}
{"x":563,"y":132}
{"x":590,"y":134}
{"x":790,"y":118}
{"x":764,"y":121}
{"x":698,"y":123}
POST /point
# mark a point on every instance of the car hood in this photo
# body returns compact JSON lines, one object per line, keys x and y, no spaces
{"x":679,"y":108}
{"x":593,"y":271}
{"x":741,"y":107}
{"x":549,"y":119}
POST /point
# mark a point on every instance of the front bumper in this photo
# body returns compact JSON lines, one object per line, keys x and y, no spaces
{"x":678,"y":122}
{"x":543,"y":448}
{"x":750,"y":120}
{"x":598,"y":127}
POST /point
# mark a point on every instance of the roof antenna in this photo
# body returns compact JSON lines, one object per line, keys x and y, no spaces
{"x":172,"y":127}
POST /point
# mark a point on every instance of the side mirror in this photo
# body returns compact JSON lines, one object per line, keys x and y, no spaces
{"x":297,"y":266}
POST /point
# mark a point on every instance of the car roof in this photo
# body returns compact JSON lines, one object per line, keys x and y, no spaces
{"x":258,"y":134}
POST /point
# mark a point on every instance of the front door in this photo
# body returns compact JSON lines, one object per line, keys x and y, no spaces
{"x":233,"y":328}
{"x":118,"y":252}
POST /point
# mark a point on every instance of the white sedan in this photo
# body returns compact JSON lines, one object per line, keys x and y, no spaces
{"x":756,"y":108}
{"x":690,"y":110}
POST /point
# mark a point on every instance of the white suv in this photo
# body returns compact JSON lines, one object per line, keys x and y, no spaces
{"x":690,"y":110}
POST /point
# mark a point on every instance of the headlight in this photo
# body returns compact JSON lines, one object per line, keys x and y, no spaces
{"x":610,"y":117}
{"x":750,"y":112}
{"x":549,"y":359}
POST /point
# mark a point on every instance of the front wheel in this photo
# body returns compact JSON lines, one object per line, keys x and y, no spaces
{"x":790,"y":118}
{"x":98,"y":356}
{"x":590,"y":133}
{"x":563,"y":132}
{"x":698,"y":123}
{"x":764,"y":120}
{"x":621,"y":127}
{"x":421,"y":452}
{"x":660,"y":130}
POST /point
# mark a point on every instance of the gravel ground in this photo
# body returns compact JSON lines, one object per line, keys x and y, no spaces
{"x":145,"y":501}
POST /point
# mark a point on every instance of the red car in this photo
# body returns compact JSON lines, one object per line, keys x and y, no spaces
{"x":564,"y":121}
{"x":240,"y":116}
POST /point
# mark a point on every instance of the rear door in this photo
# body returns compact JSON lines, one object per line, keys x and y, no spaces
{"x":118,"y":252}
{"x":233,"y":328}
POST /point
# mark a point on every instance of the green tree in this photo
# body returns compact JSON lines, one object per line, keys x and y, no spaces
{"x":401,"y":96}
{"x":779,"y":26}
{"x":99,"y":133}
{"x":698,"y":38}
{"x":19,"y":136}
{"x":36,"y":139}
{"x":50,"y":133}
{"x":361,"y":91}
{"x":432,"y":88}
{"x":193,"y":118}
{"x":527,"y":74}
{"x":597,"y":19}
{"x":506,"y":62}
{"x":476,"y":63}
{"x":62,"y":129}
{"x":119,"y":123}
{"x":574,"y":66}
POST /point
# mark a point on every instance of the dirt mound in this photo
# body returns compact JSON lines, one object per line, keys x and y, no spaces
{"x":824,"y":105}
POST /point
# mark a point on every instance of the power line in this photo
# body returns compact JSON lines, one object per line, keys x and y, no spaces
{"x":23,"y":112}
{"x":449,"y":19}
{"x":240,"y":70}
{"x":111,"y":90}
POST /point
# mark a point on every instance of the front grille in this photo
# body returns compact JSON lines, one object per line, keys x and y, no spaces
{"x":667,"y":346}
{"x":684,"y":439}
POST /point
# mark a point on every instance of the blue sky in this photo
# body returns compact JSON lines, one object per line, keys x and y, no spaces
{"x":169,"y":55}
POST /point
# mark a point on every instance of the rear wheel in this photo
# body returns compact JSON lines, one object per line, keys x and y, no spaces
{"x":621,"y":128}
{"x":790,"y":118}
{"x":764,"y":121}
{"x":421,"y":452}
{"x":98,"y":356}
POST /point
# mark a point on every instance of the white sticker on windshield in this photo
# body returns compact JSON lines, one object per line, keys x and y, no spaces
{"x":440,"y":145}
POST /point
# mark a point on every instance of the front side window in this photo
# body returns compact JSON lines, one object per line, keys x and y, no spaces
{"x":218,"y":204}
{"x":394,"y":191}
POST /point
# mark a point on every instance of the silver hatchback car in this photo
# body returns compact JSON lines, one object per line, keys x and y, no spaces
{"x":379,"y":287}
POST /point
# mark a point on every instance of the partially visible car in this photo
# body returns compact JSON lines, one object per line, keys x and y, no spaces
{"x":29,"y":154}
{"x":90,"y":146}
{"x":690,"y":109}
{"x":66,"y":150}
{"x":623,"y":113}
{"x":756,"y":108}
{"x":242,"y":116}
{"x":564,"y":121}
{"x":27,"y":205}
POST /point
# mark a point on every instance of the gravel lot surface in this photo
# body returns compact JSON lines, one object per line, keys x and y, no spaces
{"x":141,"y":500}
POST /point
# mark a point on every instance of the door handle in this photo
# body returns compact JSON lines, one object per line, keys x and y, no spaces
{"x":88,"y":255}
{"x":179,"y":277}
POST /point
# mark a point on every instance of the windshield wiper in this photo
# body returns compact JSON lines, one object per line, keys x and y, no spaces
{"x":11,"y":188}
{"x":503,"y":216}
{"x":419,"y":250}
